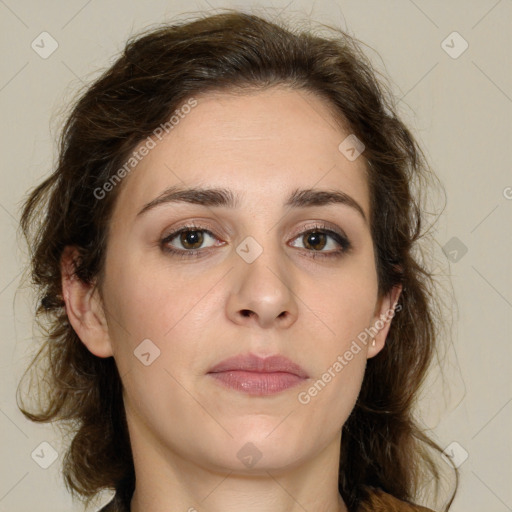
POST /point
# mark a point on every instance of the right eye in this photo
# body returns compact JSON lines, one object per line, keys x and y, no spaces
{"x":189,"y":241}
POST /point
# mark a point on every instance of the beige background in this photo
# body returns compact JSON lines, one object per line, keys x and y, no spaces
{"x":460,"y":108}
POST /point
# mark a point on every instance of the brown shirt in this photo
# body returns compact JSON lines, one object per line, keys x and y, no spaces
{"x":378,"y":501}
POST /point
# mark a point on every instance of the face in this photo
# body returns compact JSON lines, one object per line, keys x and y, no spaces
{"x":275,"y":269}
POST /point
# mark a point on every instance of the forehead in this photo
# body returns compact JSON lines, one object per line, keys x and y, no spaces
{"x":260,"y":144}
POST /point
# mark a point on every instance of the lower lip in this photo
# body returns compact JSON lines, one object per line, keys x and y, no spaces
{"x":256,"y":383}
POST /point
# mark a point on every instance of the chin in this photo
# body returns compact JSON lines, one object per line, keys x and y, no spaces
{"x":261,"y":444}
{"x":251,"y":459}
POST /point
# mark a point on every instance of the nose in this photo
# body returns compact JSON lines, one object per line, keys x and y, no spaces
{"x":261,"y":293}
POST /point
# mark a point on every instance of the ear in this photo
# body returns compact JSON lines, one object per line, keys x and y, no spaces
{"x":381,"y":320}
{"x":84,"y":307}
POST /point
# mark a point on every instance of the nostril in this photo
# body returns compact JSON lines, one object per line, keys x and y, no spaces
{"x":246,"y":312}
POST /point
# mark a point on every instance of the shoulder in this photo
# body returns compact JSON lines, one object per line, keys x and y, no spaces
{"x":379,"y":501}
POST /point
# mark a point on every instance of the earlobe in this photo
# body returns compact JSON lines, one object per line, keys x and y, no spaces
{"x":381,"y":322}
{"x":84,"y":307}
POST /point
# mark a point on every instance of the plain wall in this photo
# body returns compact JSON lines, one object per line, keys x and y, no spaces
{"x":459,"y":108}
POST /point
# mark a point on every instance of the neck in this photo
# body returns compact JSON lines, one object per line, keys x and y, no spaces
{"x":167,"y":481}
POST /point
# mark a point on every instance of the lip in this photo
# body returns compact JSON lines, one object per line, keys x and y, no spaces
{"x":258,"y":376}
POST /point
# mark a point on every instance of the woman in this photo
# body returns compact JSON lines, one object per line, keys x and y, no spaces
{"x":224,"y":254}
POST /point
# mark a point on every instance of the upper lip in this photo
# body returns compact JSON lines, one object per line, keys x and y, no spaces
{"x":253,"y":363}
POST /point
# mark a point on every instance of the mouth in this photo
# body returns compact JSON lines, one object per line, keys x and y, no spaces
{"x":258,"y":376}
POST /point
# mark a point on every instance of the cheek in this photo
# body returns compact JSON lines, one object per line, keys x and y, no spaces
{"x":144,"y":305}
{"x":340,"y":356}
{"x":333,"y":389}
{"x":157,"y":328}
{"x":340,"y":351}
{"x":151,"y":300}
{"x":344,"y":304}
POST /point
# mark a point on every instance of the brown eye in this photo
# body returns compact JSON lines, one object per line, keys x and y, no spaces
{"x":322,"y":242}
{"x":315,"y":240}
{"x":191,"y":239}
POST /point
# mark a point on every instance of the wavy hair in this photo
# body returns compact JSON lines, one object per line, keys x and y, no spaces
{"x":382,"y":445}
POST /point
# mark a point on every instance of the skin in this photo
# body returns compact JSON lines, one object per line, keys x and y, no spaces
{"x":185,"y":428}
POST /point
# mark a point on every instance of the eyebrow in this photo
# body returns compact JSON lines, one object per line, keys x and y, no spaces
{"x":226,"y":198}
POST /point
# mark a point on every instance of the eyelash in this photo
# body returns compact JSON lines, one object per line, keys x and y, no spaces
{"x":340,"y":239}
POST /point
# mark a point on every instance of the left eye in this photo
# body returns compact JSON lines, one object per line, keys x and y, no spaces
{"x":317,"y":240}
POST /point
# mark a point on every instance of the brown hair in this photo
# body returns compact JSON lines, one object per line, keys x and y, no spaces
{"x":382,"y":446}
